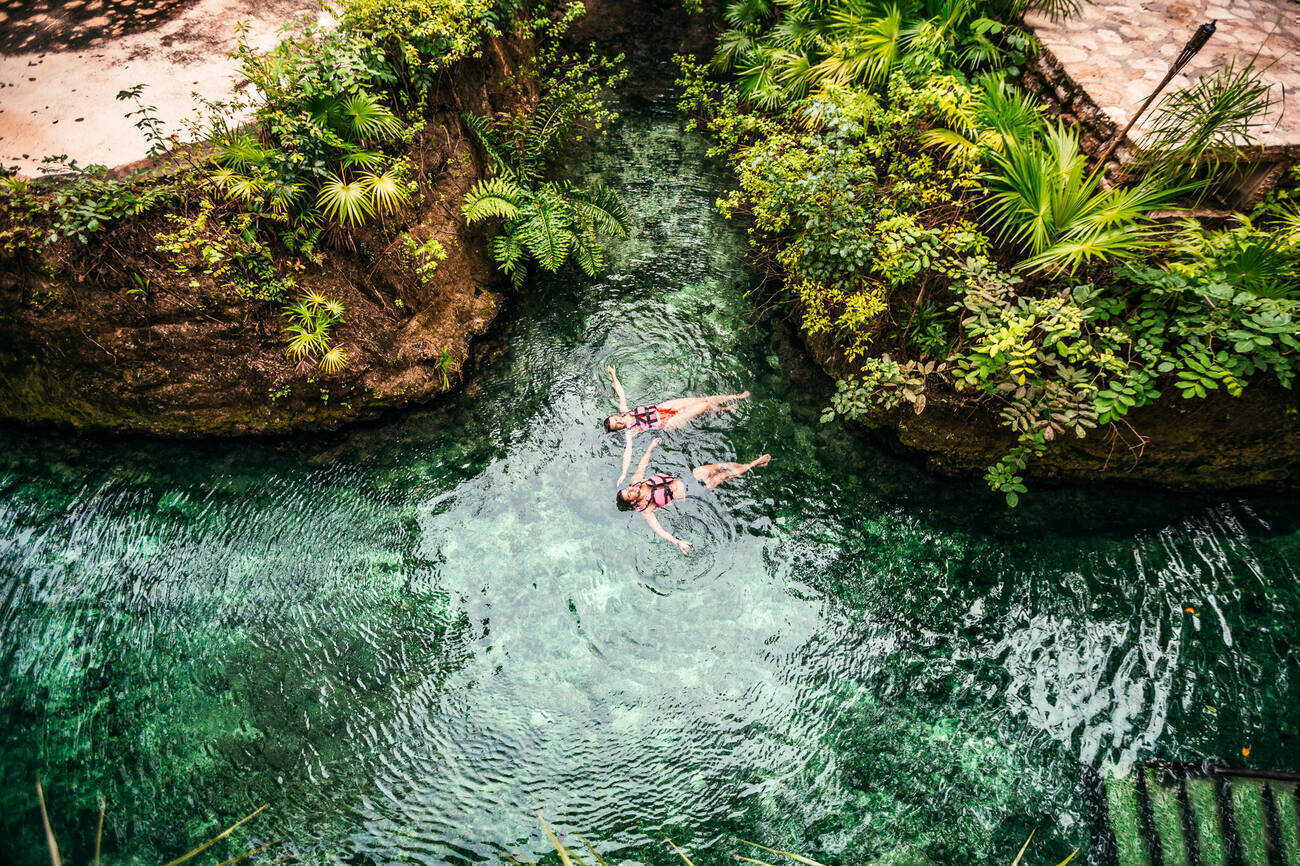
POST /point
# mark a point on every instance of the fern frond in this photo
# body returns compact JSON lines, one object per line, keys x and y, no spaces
{"x":508,"y":250}
{"x":588,"y":254}
{"x":486,"y":136}
{"x":547,"y":233}
{"x":494,"y":198}
{"x":602,"y":208}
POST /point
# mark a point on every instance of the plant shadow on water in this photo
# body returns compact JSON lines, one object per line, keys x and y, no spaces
{"x":409,"y":637}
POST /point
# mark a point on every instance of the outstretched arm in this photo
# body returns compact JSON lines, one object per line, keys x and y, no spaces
{"x":618,"y":389}
{"x":645,"y":461}
{"x":683,"y":546}
{"x":627,"y":454}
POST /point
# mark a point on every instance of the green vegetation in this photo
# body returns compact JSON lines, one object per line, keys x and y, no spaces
{"x":544,"y":222}
{"x":311,"y":319}
{"x":923,"y":219}
{"x":333,"y":158}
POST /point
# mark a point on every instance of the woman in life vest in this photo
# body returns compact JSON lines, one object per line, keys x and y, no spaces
{"x":648,"y":495}
{"x":668,"y":415}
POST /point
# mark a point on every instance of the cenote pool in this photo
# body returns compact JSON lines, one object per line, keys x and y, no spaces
{"x":409,"y":637}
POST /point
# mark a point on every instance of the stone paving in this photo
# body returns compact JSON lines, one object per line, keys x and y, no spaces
{"x":1118,"y":50}
{"x":62,"y":65}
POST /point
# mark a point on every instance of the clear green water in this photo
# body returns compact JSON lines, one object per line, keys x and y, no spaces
{"x":409,"y":637}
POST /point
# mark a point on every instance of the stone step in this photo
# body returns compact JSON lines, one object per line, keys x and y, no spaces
{"x":1125,"y":821}
{"x":1287,"y":808}
{"x":1167,"y":817}
{"x":1166,"y":814}
{"x":1248,"y":816}
{"x":1205,"y":817}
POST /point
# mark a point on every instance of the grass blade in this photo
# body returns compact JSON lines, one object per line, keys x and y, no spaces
{"x":797,"y":857}
{"x":215,"y":839}
{"x":99,"y":831}
{"x":50,"y":841}
{"x":680,"y":852}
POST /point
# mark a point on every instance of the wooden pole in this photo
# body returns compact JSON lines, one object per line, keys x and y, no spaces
{"x":1195,"y":44}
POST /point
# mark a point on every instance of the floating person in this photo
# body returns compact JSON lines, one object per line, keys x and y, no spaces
{"x":648,"y":495}
{"x":668,"y":415}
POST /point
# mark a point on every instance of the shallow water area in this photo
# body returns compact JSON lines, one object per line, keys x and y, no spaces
{"x":409,"y":637}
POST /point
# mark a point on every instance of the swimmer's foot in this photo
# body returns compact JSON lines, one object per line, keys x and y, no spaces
{"x":744,"y":395}
{"x":762,"y":461}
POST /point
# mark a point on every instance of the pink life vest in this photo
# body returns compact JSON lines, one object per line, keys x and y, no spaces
{"x":648,"y":417}
{"x":661,"y":492}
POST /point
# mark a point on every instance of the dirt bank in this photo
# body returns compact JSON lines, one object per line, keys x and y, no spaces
{"x":108,"y":335}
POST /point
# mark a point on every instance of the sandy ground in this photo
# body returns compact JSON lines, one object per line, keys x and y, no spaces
{"x":61,"y":68}
{"x":1118,"y":50}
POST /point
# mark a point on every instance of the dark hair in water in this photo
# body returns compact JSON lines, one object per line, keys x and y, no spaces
{"x":620,"y":502}
{"x":609,"y":427}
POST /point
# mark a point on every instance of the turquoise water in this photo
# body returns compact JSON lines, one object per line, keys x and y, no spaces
{"x":408,"y":638}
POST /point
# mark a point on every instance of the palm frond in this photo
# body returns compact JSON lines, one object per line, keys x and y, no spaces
{"x":363,"y":158}
{"x":365,"y":117}
{"x":347,"y":202}
{"x":242,"y":151}
{"x":387,"y":192}
{"x":333,"y":361}
{"x":740,"y":13}
{"x":1216,"y":117}
{"x":304,"y":340}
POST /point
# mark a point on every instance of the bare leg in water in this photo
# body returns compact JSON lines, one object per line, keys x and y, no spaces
{"x":713,"y":474}
{"x":685,"y":409}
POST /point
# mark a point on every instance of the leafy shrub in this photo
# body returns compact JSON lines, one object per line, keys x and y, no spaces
{"x":875,"y":144}
{"x":422,"y":258}
{"x":227,"y":249}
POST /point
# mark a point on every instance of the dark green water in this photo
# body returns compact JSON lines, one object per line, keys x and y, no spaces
{"x":408,"y":638}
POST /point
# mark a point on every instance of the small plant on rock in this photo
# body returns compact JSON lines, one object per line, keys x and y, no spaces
{"x":311,"y":319}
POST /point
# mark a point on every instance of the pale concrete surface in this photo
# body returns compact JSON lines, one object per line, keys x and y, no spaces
{"x":62,"y":65}
{"x":1118,"y":50}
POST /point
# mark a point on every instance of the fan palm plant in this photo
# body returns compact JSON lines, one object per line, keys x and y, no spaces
{"x":1043,"y":199}
{"x":1265,"y":264}
{"x":1000,"y":114}
{"x":311,"y":320}
{"x":828,"y":43}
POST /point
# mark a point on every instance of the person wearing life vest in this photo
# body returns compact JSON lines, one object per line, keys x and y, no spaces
{"x":668,"y":415}
{"x":649,"y":494}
